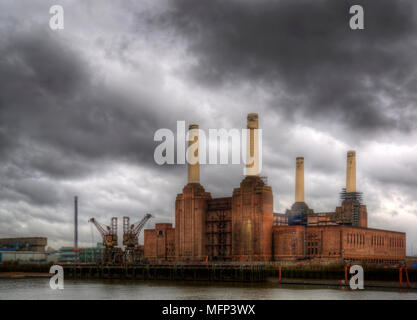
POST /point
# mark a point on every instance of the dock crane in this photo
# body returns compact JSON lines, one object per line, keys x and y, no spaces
{"x":112,"y":254}
{"x":133,"y":251}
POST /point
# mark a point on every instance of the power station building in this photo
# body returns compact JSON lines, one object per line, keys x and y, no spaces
{"x":244,"y":227}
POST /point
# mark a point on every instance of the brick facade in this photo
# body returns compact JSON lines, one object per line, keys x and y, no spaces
{"x":238,"y":228}
{"x":338,"y":242}
{"x":160,"y":242}
{"x":252,"y":220}
{"x":190,"y":223}
{"x":345,"y":213}
{"x":242,"y":228}
{"x":288,"y":242}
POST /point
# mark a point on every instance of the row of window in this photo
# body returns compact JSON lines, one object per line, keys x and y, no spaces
{"x":376,"y":240}
{"x":396,"y":243}
{"x":311,"y":251}
{"x":355,"y":238}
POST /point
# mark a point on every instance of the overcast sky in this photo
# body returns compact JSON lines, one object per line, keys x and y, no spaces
{"x":79,"y":107}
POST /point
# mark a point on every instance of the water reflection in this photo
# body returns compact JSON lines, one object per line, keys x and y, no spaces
{"x":161,"y":290}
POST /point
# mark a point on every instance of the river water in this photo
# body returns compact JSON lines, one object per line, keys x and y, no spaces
{"x":161,"y":290}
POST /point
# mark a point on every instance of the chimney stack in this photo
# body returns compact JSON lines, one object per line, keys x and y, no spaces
{"x":299,"y":180}
{"x":351,"y":171}
{"x":193,"y":156}
{"x":76,"y":222}
{"x":252,"y":146}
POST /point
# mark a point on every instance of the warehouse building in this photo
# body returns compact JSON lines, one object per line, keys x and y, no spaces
{"x":36,"y":244}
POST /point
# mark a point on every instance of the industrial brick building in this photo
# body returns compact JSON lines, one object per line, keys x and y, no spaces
{"x":244,"y":227}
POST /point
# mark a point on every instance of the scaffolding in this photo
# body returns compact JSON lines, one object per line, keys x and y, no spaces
{"x":356,"y":199}
{"x":350,"y":196}
{"x":219,"y":229}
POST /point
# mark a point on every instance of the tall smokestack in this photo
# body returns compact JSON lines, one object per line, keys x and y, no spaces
{"x":76,"y":222}
{"x":351,"y":171}
{"x":193,"y":156}
{"x":252,"y":150}
{"x":299,"y":180}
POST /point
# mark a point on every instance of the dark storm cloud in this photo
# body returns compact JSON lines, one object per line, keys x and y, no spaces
{"x":305,"y":54}
{"x":70,"y":124}
{"x":57,"y":118}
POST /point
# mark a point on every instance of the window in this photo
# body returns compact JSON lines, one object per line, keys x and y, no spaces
{"x":160,"y":233}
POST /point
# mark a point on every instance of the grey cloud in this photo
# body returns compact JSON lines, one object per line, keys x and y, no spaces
{"x":306,"y":49}
{"x":55,"y":118}
{"x":59,"y":122}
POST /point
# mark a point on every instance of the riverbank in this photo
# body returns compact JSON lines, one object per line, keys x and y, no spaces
{"x":13,"y":266}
